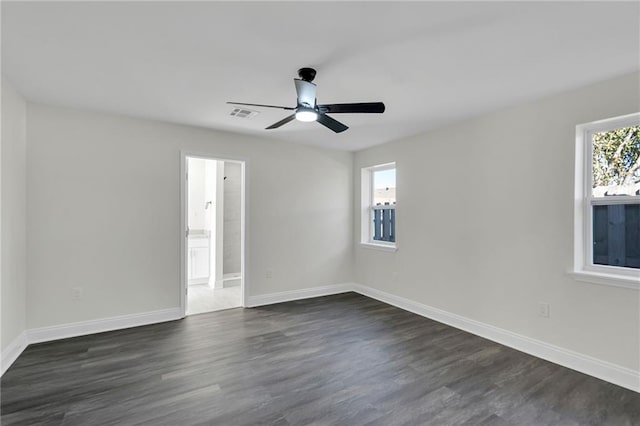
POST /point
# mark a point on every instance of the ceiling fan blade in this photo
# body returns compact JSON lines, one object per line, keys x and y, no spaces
{"x":282,"y":122}
{"x":366,"y":107}
{"x":332,"y":124}
{"x":260,"y":105}
{"x":306,"y":91}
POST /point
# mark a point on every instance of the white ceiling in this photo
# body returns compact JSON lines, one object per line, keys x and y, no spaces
{"x":431,"y":63}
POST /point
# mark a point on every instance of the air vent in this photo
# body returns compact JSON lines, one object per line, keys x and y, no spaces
{"x":243,"y":113}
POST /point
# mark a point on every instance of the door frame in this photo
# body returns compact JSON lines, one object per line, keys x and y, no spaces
{"x":183,"y":286}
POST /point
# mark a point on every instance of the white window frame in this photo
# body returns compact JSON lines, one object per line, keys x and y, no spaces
{"x":366,"y":210}
{"x":584,"y":269}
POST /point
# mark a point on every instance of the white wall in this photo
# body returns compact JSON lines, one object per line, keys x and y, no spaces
{"x":485,"y":224}
{"x":13,"y":222}
{"x":106,"y":193}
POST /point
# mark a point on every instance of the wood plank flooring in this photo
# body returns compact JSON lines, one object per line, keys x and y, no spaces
{"x":335,"y":360}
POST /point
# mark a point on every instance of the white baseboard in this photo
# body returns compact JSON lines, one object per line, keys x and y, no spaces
{"x":233,"y":282}
{"x":604,"y":370}
{"x":82,"y":328}
{"x":287,"y":296}
{"x":13,"y":351}
{"x":63,"y":331}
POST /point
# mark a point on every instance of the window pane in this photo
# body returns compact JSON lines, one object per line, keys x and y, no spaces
{"x":384,"y":224}
{"x":616,"y":235}
{"x":384,"y":186}
{"x":616,"y":162}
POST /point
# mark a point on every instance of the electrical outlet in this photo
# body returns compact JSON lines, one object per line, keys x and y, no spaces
{"x":543,"y":310}
{"x":269,"y":273}
{"x":76,"y":293}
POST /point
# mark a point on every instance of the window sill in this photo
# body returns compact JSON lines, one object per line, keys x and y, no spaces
{"x":381,"y":247}
{"x":607,"y":279}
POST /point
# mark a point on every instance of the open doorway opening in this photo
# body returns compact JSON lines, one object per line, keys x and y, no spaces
{"x":213,"y":248}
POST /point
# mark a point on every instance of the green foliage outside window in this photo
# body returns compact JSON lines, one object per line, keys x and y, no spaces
{"x":616,"y":157}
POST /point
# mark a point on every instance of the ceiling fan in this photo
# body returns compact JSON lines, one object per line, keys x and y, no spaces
{"x":308,"y":110}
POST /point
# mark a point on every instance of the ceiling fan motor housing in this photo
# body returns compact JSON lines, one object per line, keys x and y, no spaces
{"x":306,"y":91}
{"x":307,"y":74}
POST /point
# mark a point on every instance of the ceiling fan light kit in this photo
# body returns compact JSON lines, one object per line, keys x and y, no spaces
{"x":306,"y":114}
{"x":308,"y":110}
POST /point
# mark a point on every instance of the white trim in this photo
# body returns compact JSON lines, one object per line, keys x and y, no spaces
{"x":198,"y":281}
{"x":305,"y":293}
{"x":244,"y":225}
{"x":379,"y":246}
{"x":367,"y":207}
{"x":218,"y":252}
{"x":82,"y":328}
{"x":613,"y":200}
{"x":13,"y":351}
{"x":605,"y":279}
{"x":616,"y":374}
{"x":613,"y":123}
{"x":184,"y":280}
{"x":604,"y":370}
{"x":583,"y":267}
{"x":244,"y":232}
{"x":366,"y":195}
{"x":381,"y":167}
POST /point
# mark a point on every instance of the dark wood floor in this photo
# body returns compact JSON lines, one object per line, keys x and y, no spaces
{"x":336,"y":360}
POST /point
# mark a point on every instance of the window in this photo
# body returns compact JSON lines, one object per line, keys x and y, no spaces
{"x":607,"y":229}
{"x":379,"y":206}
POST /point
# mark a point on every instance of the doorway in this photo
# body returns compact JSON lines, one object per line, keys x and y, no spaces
{"x":212,"y":220}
